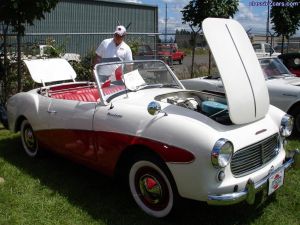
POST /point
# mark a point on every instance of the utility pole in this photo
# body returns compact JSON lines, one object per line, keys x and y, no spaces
{"x":166,"y":22}
{"x":268,"y":22}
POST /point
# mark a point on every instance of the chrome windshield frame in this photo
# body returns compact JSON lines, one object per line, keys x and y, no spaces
{"x":103,"y":100}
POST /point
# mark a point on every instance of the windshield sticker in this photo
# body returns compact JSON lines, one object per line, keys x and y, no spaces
{"x":133,"y":80}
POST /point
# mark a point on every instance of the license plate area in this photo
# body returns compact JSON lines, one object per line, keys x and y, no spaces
{"x":276,"y":181}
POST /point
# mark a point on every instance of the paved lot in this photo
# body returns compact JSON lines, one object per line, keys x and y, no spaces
{"x":185,"y":68}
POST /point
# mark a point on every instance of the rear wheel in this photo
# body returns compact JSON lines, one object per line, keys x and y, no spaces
{"x":29,"y":141}
{"x":151,"y":186}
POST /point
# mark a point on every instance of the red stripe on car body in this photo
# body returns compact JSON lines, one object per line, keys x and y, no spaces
{"x":101,"y":150}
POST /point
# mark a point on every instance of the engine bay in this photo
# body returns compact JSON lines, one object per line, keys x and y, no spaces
{"x":211,"y":104}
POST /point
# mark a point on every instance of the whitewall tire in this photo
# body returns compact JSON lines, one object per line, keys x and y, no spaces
{"x":29,"y":141}
{"x":151,"y":188}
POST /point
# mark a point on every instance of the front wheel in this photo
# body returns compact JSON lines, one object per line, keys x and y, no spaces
{"x":151,"y":187}
{"x":29,"y":141}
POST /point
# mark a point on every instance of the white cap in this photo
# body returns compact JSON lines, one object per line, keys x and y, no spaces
{"x":120,"y":30}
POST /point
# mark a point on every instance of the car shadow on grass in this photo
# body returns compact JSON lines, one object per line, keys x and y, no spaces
{"x":105,"y":200}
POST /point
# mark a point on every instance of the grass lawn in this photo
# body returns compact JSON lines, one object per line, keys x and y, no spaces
{"x":53,"y":190}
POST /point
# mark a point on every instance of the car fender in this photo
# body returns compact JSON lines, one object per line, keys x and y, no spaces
{"x":28,"y":105}
{"x":284,"y":96}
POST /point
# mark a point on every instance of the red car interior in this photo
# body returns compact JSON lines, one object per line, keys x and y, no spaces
{"x":82,"y":93}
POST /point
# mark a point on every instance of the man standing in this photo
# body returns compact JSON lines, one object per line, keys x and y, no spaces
{"x":114,"y":47}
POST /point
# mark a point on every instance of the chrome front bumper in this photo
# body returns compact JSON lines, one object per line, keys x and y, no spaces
{"x":251,"y":188}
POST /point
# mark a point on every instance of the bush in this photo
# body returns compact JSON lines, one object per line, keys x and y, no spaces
{"x":83,"y":70}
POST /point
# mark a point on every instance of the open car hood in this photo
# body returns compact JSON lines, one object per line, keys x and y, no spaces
{"x":243,"y":79}
{"x":50,"y":70}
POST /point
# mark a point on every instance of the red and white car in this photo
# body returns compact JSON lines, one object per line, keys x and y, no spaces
{"x":138,"y":121}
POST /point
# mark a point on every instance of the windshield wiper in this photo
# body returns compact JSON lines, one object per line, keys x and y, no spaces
{"x":282,"y":75}
{"x":143,"y":86}
{"x":170,"y":85}
{"x":287,"y":75}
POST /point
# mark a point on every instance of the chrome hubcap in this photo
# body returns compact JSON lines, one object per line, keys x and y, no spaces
{"x":151,"y":189}
{"x":29,"y":138}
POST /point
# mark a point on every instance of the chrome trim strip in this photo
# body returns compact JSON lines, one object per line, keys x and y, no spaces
{"x":249,"y":192}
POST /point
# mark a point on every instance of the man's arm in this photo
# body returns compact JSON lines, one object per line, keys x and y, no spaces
{"x":97,"y":59}
{"x":99,"y":52}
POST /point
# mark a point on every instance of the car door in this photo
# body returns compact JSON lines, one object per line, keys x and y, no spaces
{"x":71,"y":129}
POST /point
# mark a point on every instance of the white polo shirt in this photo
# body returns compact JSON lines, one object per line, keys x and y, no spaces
{"x":108,"y":49}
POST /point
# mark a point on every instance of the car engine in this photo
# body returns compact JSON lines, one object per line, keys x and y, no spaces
{"x":212,"y":105}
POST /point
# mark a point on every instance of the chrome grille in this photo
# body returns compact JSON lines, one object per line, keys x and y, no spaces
{"x":251,"y":158}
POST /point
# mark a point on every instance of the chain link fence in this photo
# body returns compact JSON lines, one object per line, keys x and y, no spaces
{"x":143,"y":45}
{"x":85,"y":43}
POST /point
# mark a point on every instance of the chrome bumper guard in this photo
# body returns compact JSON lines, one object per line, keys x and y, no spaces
{"x":251,"y":188}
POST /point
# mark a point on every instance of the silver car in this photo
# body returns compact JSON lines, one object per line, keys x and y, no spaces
{"x":283,"y":86}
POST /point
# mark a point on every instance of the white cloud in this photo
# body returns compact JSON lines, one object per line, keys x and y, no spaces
{"x":250,"y":19}
{"x":174,"y":16}
{"x":253,"y":19}
{"x":173,"y":24}
{"x":248,"y":16}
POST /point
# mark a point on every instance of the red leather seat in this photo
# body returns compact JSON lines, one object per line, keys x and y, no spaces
{"x":87,"y":94}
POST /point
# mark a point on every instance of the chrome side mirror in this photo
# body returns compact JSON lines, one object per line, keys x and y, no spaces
{"x":154,"y":108}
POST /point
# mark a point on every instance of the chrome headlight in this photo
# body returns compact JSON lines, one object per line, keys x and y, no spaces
{"x":221,"y":153}
{"x":286,"y":125}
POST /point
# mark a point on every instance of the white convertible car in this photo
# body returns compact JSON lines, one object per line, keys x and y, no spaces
{"x":283,"y":87}
{"x":139,"y":122}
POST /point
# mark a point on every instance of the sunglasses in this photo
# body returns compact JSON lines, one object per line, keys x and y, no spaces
{"x":119,"y":36}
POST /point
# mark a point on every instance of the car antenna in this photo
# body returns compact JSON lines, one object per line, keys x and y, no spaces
{"x":118,"y":22}
{"x":128,"y":25}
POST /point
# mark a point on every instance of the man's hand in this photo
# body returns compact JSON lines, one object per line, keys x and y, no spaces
{"x":97,"y":60}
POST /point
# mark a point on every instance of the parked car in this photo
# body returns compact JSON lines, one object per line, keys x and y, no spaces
{"x":287,"y":47}
{"x":172,"y":51}
{"x":144,"y":52}
{"x":292,"y":62}
{"x":41,"y":51}
{"x":30,"y":51}
{"x":283,"y":87}
{"x":138,"y":121}
{"x":264,"y":49}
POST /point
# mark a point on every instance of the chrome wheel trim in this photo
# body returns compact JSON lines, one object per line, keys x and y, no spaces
{"x":29,"y":141}
{"x":151,"y":189}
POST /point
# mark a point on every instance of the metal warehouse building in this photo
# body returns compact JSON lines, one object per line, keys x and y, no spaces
{"x":80,"y":25}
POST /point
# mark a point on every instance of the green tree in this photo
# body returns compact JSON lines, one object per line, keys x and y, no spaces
{"x":285,"y":17}
{"x":16,"y":14}
{"x":197,"y":10}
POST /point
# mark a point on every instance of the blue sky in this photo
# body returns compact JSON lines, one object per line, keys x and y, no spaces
{"x":251,"y":17}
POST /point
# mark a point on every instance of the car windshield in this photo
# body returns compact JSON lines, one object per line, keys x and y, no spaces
{"x":257,"y":47}
{"x":116,"y":78}
{"x":273,"y":68}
